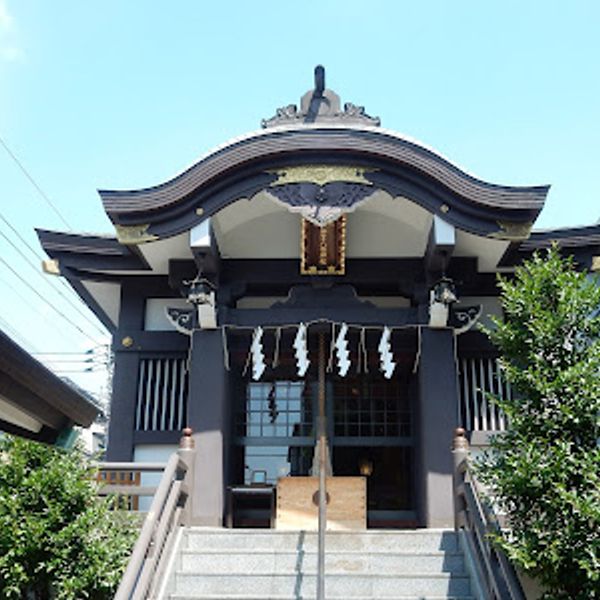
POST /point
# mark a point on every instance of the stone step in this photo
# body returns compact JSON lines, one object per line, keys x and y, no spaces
{"x":303,"y":597}
{"x":347,"y":586}
{"x":419,"y":540}
{"x":285,"y":561}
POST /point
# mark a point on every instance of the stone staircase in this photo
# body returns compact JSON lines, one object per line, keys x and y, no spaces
{"x":265,"y":564}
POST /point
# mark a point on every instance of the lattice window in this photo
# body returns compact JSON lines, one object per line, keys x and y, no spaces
{"x":478,"y":379}
{"x":276,"y":409}
{"x":371,"y":409}
{"x":162,"y":394}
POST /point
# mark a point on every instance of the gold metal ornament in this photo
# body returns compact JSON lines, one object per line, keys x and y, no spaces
{"x":51,"y":267}
{"x":127,"y":341}
{"x":509,"y":230}
{"x":321,"y":174}
{"x":134,"y":234}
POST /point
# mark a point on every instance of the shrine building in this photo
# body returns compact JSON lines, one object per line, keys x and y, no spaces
{"x":322,"y":263}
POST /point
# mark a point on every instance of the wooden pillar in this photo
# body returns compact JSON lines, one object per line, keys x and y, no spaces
{"x":125,"y":377}
{"x":437,"y":418}
{"x":121,"y":426}
{"x":208,"y":416}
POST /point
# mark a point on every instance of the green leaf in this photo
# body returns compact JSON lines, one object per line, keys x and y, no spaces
{"x":545,"y":471}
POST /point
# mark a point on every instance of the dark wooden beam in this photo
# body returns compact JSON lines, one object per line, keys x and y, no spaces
{"x":149,"y":341}
{"x":288,"y":316}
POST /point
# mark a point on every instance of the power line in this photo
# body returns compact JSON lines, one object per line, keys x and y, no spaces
{"x":23,"y":240}
{"x":33,"y":182}
{"x":40,"y":257}
{"x":80,"y":372}
{"x":24,"y":298}
{"x":91,"y":360}
{"x":32,"y":306}
{"x":16,"y":335}
{"x":61,"y":353}
{"x":61,"y":314}
{"x":59,"y":292}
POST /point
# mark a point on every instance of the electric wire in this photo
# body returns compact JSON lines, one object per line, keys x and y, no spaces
{"x":82,"y":372}
{"x":62,"y":353}
{"x":21,"y":296}
{"x":38,"y":256}
{"x":56,"y":310}
{"x":59,"y":292}
{"x":14,"y":334}
{"x":32,"y":306}
{"x":72,"y":361}
{"x":33,"y":182}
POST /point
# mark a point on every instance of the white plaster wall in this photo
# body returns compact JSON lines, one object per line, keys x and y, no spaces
{"x":148,"y":453}
{"x":490,"y":306}
{"x":107,"y":295}
{"x":155,"y":317}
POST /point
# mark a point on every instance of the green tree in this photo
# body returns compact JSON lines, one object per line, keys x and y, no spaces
{"x":544,"y":472}
{"x":58,"y":539}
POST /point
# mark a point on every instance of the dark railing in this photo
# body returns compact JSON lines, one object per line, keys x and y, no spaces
{"x":170,"y":508}
{"x":494,"y":573}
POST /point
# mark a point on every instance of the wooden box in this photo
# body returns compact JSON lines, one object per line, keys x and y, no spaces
{"x":298,"y":498}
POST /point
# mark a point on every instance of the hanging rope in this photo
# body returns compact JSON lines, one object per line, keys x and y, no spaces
{"x":358,"y":326}
{"x":247,"y":364}
{"x":188,"y":360}
{"x":331,"y":349}
{"x":418,"y":354}
{"x":276,"y":350}
{"x":225,"y":349}
{"x":363,"y":348}
{"x":359,"y":357}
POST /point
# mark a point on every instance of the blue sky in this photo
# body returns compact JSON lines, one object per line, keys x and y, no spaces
{"x":124,"y":94}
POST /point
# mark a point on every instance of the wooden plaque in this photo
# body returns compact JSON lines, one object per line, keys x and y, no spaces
{"x":324,"y":248}
{"x":346,"y":510}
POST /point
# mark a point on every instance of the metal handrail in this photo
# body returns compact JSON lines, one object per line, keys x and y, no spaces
{"x":168,"y":509}
{"x":478,"y":521}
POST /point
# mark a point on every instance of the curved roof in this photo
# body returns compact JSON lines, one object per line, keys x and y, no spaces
{"x":359,"y":142}
{"x":402,"y":167}
{"x":322,"y":135}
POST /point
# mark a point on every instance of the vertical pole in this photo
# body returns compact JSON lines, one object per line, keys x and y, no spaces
{"x":187,"y":454}
{"x":322,"y":472}
{"x":460,"y":454}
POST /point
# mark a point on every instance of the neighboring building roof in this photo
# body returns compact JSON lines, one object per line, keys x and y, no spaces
{"x":34,"y":402}
{"x":582,"y":242}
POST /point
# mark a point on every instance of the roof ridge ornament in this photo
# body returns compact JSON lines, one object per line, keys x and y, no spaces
{"x":320,"y":105}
